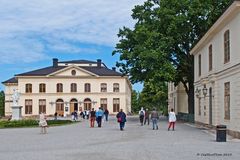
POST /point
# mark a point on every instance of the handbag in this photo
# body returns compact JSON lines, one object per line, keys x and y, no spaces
{"x":119,"y":119}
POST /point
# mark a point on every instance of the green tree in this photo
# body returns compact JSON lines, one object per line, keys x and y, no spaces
{"x":135,"y":101}
{"x":2,"y":103}
{"x":158,"y":48}
{"x":154,"y":96}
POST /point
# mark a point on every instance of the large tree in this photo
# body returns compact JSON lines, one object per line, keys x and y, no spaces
{"x":158,"y":48}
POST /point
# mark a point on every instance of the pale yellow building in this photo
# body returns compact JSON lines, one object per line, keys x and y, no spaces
{"x":177,"y":99}
{"x":67,"y":86}
{"x":217,"y":73}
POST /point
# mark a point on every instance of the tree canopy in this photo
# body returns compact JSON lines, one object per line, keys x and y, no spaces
{"x":158,"y":48}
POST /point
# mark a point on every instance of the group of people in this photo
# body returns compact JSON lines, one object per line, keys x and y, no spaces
{"x":145,"y":115}
{"x":100,"y":114}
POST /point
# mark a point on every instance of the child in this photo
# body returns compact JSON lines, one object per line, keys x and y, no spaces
{"x":172,"y":119}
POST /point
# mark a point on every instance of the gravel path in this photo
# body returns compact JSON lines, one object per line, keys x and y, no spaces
{"x":79,"y":142}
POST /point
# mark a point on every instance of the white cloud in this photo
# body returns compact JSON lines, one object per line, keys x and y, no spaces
{"x":62,"y":21}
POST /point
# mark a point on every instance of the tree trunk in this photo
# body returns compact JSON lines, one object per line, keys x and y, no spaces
{"x":191,"y":99}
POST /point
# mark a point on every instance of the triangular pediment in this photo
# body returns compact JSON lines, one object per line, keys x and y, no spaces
{"x":69,"y":72}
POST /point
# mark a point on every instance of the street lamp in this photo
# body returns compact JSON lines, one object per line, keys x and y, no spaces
{"x":204,"y":91}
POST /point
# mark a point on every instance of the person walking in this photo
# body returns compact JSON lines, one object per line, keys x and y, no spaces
{"x":121,"y":118}
{"x":172,"y":119}
{"x":92,"y":118}
{"x":106,"y":113}
{"x":141,"y":116}
{"x":99,"y":115}
{"x":43,"y":123}
{"x":154,"y":118}
{"x":146,"y":117}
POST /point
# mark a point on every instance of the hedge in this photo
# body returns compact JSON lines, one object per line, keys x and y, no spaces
{"x":31,"y":123}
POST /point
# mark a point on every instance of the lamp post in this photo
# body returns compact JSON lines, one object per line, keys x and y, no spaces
{"x":204,"y":91}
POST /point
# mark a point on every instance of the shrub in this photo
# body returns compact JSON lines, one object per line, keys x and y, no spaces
{"x":31,"y":123}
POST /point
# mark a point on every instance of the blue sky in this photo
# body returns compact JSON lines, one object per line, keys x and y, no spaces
{"x":32,"y":32}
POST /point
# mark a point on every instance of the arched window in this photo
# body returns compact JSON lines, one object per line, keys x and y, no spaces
{"x":59,"y":87}
{"x":87,"y":87}
{"x":73,"y":87}
{"x":42,"y":88}
{"x":28,"y":88}
{"x":103,"y":87}
{"x":226,"y":46}
{"x":115,"y":87}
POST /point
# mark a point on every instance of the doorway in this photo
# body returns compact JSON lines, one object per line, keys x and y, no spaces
{"x":87,"y":104}
{"x":59,"y":107}
{"x":73,"y":105}
{"x":210,"y":106}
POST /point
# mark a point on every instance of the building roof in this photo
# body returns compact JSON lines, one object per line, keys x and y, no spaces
{"x":231,"y":11}
{"x":79,"y":62}
{"x":11,"y":80}
{"x":42,"y":71}
{"x":100,"y":71}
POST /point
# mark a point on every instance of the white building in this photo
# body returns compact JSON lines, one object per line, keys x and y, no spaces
{"x":67,"y":86}
{"x":177,"y":98}
{"x":217,"y":73}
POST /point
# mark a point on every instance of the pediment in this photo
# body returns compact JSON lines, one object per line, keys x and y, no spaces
{"x":69,"y":72}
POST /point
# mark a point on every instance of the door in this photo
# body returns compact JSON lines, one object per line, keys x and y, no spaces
{"x":210,"y":106}
{"x":59,"y":107}
{"x":73,"y":105}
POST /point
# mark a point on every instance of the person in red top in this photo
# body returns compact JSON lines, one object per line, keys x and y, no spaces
{"x":92,"y":118}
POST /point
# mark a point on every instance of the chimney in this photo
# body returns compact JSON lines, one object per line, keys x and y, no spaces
{"x":55,"y":62}
{"x":99,"y":63}
{"x":114,"y":68}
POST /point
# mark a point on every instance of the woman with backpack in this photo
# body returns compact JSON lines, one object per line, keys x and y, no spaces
{"x":141,"y":116}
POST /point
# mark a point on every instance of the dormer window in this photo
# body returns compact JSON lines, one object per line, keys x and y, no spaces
{"x":73,"y":72}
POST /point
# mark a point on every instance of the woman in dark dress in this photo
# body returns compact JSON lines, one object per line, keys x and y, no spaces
{"x":121,"y":117}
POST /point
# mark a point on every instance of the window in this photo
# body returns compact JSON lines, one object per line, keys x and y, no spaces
{"x":42,"y":106}
{"x":73,"y":87}
{"x":116,"y":104}
{"x":226,"y":46}
{"x":115,"y":87}
{"x":210,"y":58}
{"x":103,"y":87}
{"x":59,"y":87}
{"x":28,"y":88}
{"x":42,"y":88}
{"x":199,"y":65}
{"x":199,"y":106}
{"x":227,"y":101}
{"x":103,"y":103}
{"x":87,"y":87}
{"x":73,"y":72}
{"x":28,"y":106}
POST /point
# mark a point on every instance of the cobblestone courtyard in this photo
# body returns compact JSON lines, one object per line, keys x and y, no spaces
{"x":79,"y":142}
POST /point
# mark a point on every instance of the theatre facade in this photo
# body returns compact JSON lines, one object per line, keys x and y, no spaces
{"x":69,"y":86}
